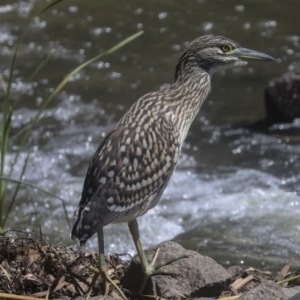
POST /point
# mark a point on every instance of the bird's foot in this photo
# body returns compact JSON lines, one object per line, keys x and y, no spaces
{"x":152,"y":269}
{"x":106,"y":279}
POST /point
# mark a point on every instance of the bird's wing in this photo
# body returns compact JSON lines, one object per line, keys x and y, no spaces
{"x":130,"y":165}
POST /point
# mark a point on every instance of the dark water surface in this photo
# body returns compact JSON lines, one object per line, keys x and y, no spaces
{"x":233,"y":195}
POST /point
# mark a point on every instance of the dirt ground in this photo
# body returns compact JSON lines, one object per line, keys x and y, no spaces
{"x":30,"y":266}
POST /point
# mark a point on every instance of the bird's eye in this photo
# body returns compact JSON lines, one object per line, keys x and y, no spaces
{"x":226,"y":48}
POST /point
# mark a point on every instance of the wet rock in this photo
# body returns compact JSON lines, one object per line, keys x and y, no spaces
{"x":197,"y":275}
{"x":282,"y":97}
{"x":266,"y":290}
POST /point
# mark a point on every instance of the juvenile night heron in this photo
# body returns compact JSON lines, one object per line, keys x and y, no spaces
{"x":134,"y":163}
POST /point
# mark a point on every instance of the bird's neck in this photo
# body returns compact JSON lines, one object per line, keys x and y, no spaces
{"x":189,"y":90}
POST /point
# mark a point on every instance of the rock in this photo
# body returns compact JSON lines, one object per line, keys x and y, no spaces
{"x":282,"y":97}
{"x":292,"y":291}
{"x":267,"y":290}
{"x":198,"y":276}
{"x":235,"y":271}
{"x":295,"y":297}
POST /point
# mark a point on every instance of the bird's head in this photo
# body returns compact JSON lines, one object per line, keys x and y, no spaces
{"x":216,"y":53}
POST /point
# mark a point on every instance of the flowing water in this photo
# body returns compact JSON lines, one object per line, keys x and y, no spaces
{"x":233,"y":196}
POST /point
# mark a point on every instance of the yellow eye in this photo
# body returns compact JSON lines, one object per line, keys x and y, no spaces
{"x":226,"y":48}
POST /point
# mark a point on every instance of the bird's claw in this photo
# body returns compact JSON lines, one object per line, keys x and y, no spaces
{"x":171,"y":261}
{"x":152,"y":269}
{"x":106,"y":279}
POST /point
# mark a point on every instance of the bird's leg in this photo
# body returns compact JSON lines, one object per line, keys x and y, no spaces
{"x":148,"y":269}
{"x":102,"y":270}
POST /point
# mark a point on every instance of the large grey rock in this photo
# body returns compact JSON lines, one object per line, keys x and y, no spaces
{"x":267,"y":290}
{"x":282,"y":97}
{"x":291,"y":292}
{"x":198,"y":276}
{"x":295,"y":297}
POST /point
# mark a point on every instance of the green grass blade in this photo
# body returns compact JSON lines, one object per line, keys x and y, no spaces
{"x":79,"y":68}
{"x":66,"y":79}
{"x":7,"y":100}
{"x":43,"y":64}
{"x":288,"y":279}
{"x":12,"y":202}
{"x":4,"y":143}
{"x":49,"y":6}
{"x":42,"y":190}
{"x":8,"y":107}
{"x":3,"y":152}
{"x":7,"y":112}
{"x":3,"y":84}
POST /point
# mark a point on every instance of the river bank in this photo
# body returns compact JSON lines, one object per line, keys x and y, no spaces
{"x":31,"y":268}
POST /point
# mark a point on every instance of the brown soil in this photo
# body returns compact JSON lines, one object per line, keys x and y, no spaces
{"x":30,"y":266}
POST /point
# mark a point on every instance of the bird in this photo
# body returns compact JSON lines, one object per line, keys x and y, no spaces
{"x":136,"y":160}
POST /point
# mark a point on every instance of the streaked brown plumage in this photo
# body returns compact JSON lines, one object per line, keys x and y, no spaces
{"x":136,"y":160}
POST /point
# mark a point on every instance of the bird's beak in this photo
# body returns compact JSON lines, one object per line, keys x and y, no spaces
{"x":247,"y":54}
